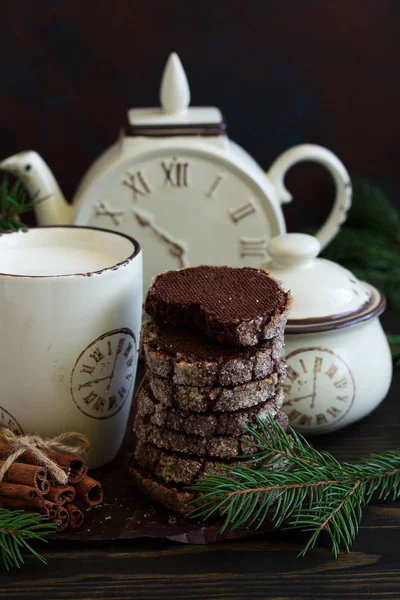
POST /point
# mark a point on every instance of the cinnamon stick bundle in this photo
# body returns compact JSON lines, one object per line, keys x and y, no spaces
{"x":76,"y":516}
{"x":33,"y":505}
{"x":90,"y":491}
{"x":31,"y":475}
{"x":60,"y":494}
{"x":21,"y":492}
{"x":27,"y":484}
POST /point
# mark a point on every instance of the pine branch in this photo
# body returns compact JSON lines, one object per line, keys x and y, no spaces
{"x":15,"y":202}
{"x":291,"y":483}
{"x":371,"y":210}
{"x":369,"y":242}
{"x":17,"y":528}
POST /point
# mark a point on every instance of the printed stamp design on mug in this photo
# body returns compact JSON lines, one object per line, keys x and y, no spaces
{"x":313,"y":374}
{"x":9,"y":421}
{"x":103,"y":374}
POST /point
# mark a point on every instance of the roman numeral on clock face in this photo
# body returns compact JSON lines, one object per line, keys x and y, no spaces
{"x":303,"y":366}
{"x":103,"y":210}
{"x":292,"y":374}
{"x":96,"y":402}
{"x":97,"y":355}
{"x":341,"y":383}
{"x":214,"y":185}
{"x":331,"y":372}
{"x":121,"y":343}
{"x":137,"y":183}
{"x":176,"y":173}
{"x":88,"y":369}
{"x":342,"y":398}
{"x":318,"y":364}
{"x":253,"y":247}
{"x":128,"y":349}
{"x":84,"y":385}
{"x":243,"y":211}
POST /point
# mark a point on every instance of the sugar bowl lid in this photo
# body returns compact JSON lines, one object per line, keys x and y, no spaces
{"x":325,"y":295}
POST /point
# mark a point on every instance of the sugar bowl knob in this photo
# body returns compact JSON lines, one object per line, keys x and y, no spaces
{"x":293,"y":249}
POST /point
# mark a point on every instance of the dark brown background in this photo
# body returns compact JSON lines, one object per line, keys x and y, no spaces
{"x":282,"y":71}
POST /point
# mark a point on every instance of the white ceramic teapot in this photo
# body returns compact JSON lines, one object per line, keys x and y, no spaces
{"x":178,"y":184}
{"x":339,"y":361}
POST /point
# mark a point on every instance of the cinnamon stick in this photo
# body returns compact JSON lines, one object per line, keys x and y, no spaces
{"x":20,"y":492}
{"x":50,"y":509}
{"x":33,"y":505}
{"x":60,"y":494}
{"x":74,"y":466}
{"x":76,"y":516}
{"x":90,"y":491}
{"x":31,"y":475}
{"x":44,"y":487}
{"x":62,"y":519}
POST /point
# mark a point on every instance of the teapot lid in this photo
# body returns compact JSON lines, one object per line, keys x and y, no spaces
{"x":175,"y":116}
{"x":325,"y":295}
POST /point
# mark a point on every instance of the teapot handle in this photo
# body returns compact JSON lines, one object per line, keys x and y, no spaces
{"x":325,"y":157}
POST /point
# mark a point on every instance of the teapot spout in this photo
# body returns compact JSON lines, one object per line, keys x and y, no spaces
{"x":38,"y":179}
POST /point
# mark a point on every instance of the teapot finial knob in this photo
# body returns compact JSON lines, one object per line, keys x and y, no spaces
{"x":293,"y":248}
{"x":175,"y":92}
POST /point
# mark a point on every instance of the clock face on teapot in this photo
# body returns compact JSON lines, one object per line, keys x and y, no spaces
{"x":186,"y":208}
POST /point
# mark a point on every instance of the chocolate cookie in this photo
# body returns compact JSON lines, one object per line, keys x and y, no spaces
{"x":209,"y":424}
{"x":240,"y":307}
{"x":171,"y":497}
{"x":219,"y":399}
{"x":178,"y":468}
{"x":217,"y":446}
{"x":190,"y":358}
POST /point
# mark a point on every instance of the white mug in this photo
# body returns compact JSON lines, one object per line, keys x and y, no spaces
{"x":70,"y":317}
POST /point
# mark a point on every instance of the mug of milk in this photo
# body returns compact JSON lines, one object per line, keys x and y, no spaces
{"x":70,"y":317}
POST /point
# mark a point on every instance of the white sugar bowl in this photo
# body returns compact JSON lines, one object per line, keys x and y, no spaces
{"x":339,"y":361}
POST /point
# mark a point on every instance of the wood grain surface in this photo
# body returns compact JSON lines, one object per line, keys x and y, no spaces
{"x":257,"y":568}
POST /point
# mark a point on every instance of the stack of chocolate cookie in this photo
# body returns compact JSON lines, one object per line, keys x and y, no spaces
{"x":215,"y":362}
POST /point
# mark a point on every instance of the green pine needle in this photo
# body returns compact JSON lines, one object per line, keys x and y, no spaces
{"x":17,"y":529}
{"x":296,"y":486}
{"x":369,"y":242}
{"x":372,"y":211}
{"x":15,"y":202}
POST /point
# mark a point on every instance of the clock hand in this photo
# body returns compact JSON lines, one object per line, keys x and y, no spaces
{"x":314,"y":392}
{"x":101,"y":379}
{"x":105,"y":378}
{"x":118,"y":352}
{"x":177,"y":249}
{"x":302,"y":398}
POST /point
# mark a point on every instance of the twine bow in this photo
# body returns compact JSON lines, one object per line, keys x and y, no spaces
{"x":65,"y":443}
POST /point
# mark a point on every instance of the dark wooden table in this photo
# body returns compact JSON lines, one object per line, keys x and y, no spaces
{"x":260,"y":567}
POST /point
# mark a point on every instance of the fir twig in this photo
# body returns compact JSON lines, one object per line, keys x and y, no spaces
{"x":293,"y":484}
{"x":17,"y":528}
{"x":369,"y":242}
{"x":15,"y":202}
